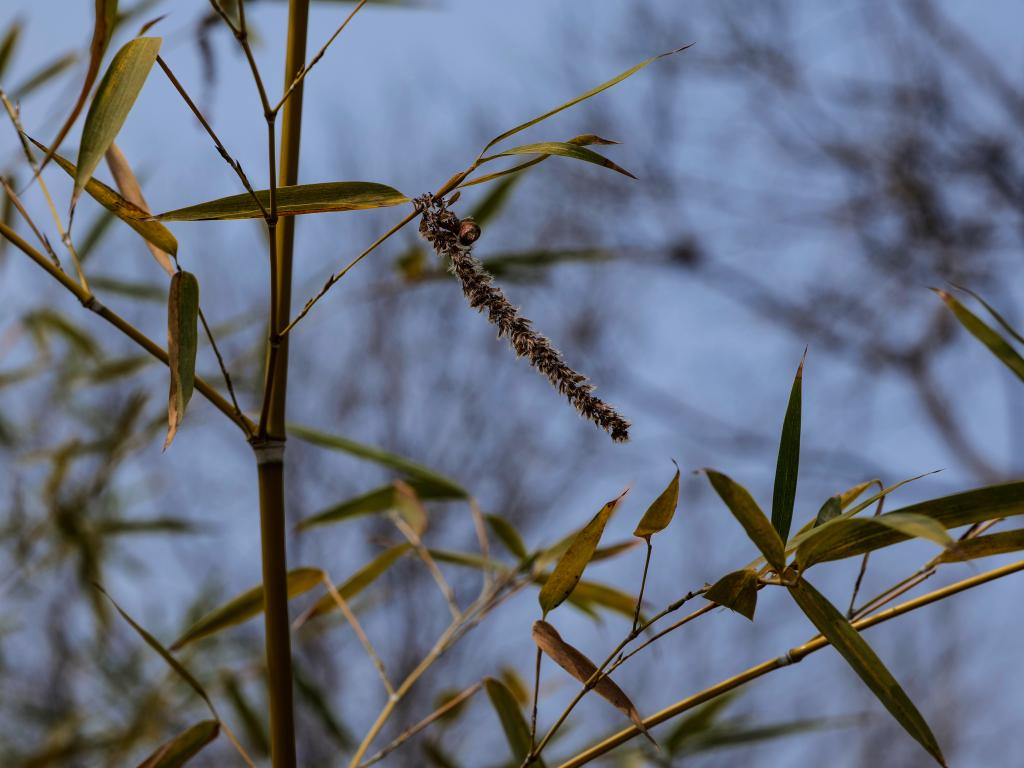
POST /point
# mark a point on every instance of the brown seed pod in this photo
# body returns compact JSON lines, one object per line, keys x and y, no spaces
{"x":469,"y":231}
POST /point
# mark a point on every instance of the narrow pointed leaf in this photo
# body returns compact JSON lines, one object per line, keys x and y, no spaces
{"x":561,"y":149}
{"x":788,"y":465}
{"x":508,"y":535}
{"x":745,"y":510}
{"x":513,"y":723}
{"x":582,"y":97}
{"x":596,"y":594}
{"x":995,"y":315}
{"x":659,"y":514}
{"x":863,"y":660}
{"x":984,"y":546}
{"x":983,"y":333}
{"x":129,"y":187}
{"x":182,"y":342}
{"x":830,"y":510}
{"x":736,"y":591}
{"x":573,"y":661}
{"x":252,"y":722}
{"x":361,"y":579}
{"x":377,"y":501}
{"x":183,"y":747}
{"x":567,"y":572}
{"x":842,"y":536}
{"x":151,"y":231}
{"x":245,"y":606}
{"x":115,"y":96}
{"x":9,"y":43}
{"x":104,"y":19}
{"x":43,"y":75}
{"x":377,"y":456}
{"x":293,"y":201}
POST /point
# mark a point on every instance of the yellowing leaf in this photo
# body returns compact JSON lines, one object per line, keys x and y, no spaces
{"x":182,"y":340}
{"x":183,"y":747}
{"x":293,"y":201}
{"x":983,"y":333}
{"x":508,"y":535}
{"x":359,"y":580}
{"x":567,"y":572}
{"x":126,"y":182}
{"x":659,"y":514}
{"x":788,"y":466}
{"x":114,"y":98}
{"x":246,"y":605}
{"x":863,"y":660}
{"x":573,"y":661}
{"x":382,"y":499}
{"x":736,"y":591}
{"x":984,"y":546}
{"x":561,"y":149}
{"x":745,"y":510}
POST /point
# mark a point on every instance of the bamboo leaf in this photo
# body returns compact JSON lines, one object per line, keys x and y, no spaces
{"x":736,"y":591}
{"x":788,"y":466}
{"x":182,"y":342}
{"x":560,"y":149}
{"x":183,"y":747}
{"x":128,"y":185}
{"x":494,"y":201}
{"x":114,"y":98}
{"x":699,"y":721}
{"x":995,"y":315}
{"x":984,"y":546}
{"x":566,"y":574}
{"x":659,"y":514}
{"x":43,"y":75}
{"x":507,"y":535}
{"x":293,"y":201}
{"x":318,"y":701}
{"x":859,"y":655}
{"x":830,"y":510}
{"x":9,"y":43}
{"x":379,"y":500}
{"x":135,"y":217}
{"x":378,"y":456}
{"x":582,"y":97}
{"x":255,"y":730}
{"x":510,"y":175}
{"x":245,"y":606}
{"x":592,"y":593}
{"x":983,"y":333}
{"x":361,"y":579}
{"x":745,"y":510}
{"x":513,"y":723}
{"x":104,"y":19}
{"x":843,"y":535}
{"x":573,"y":661}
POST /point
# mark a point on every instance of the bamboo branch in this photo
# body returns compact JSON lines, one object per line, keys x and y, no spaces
{"x":350,"y":617}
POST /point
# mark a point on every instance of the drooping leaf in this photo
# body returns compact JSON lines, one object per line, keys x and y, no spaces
{"x":140,"y":291}
{"x":182,"y":342}
{"x":151,"y":231}
{"x":507,"y":535}
{"x":183,"y":747}
{"x":745,"y":510}
{"x":569,"y":569}
{"x":104,"y":18}
{"x":509,"y":175}
{"x":984,"y":546}
{"x":293,"y":201}
{"x":115,"y":96}
{"x":593,"y":594}
{"x":128,"y":184}
{"x":659,"y":514}
{"x":361,"y":579}
{"x":736,"y":591}
{"x":379,"y":500}
{"x":378,"y":456}
{"x":245,"y":606}
{"x":582,"y":97}
{"x":863,"y":660}
{"x":985,"y":334}
{"x":513,"y":723}
{"x":573,"y":661}
{"x":561,"y":149}
{"x":788,"y":466}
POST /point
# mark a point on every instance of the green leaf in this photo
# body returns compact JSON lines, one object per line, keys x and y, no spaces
{"x":9,"y":43}
{"x":508,"y":535}
{"x":512,"y":173}
{"x":592,"y":593}
{"x":494,"y":201}
{"x":736,"y":591}
{"x":530,"y":265}
{"x":361,"y":579}
{"x":319,"y":702}
{"x":859,"y":655}
{"x":659,"y":514}
{"x":379,"y":500}
{"x":162,"y":525}
{"x":582,"y":97}
{"x":182,"y":341}
{"x":152,"y":231}
{"x":983,"y":333}
{"x":183,"y":747}
{"x":293,"y":201}
{"x":697,"y":722}
{"x":378,"y":456}
{"x":745,"y":510}
{"x":252,"y":722}
{"x":560,"y":149}
{"x":984,"y":546}
{"x":245,"y":606}
{"x":566,"y":574}
{"x":975,"y":506}
{"x":788,"y":466}
{"x":992,"y":311}
{"x":842,"y":535}
{"x":830,"y":510}
{"x":513,"y":723}
{"x":43,"y":75}
{"x":114,"y":98}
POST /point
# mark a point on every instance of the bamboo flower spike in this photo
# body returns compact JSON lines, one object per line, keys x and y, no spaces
{"x":453,"y":239}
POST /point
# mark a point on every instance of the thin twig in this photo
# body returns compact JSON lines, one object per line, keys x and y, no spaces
{"x":643,"y":584}
{"x":350,"y":617}
{"x":863,"y":565}
{"x":300,"y":76}
{"x":534,"y":751}
{"x":482,"y":540}
{"x":28,"y":220}
{"x":423,"y":553}
{"x":224,"y":372}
